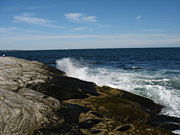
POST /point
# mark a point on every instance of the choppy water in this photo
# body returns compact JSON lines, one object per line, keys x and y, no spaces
{"x":152,"y":73}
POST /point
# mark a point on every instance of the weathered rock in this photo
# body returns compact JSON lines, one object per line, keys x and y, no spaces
{"x":23,"y":107}
{"x":27,"y":110}
{"x":36,"y":99}
{"x":17,"y":73}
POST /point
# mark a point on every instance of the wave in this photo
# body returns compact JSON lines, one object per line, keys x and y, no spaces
{"x":156,"y":85}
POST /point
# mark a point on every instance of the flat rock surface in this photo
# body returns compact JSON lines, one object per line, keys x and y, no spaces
{"x":17,"y":73}
{"x":36,"y":99}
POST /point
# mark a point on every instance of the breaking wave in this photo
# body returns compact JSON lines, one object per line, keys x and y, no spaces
{"x":162,"y":86}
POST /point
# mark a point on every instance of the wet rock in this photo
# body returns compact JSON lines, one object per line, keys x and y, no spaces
{"x":119,"y":114}
{"x":145,"y":103}
{"x":165,"y":122}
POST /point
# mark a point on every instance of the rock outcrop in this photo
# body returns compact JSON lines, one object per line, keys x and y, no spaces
{"x":36,"y":99}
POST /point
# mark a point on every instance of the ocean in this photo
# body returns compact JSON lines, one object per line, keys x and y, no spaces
{"x":150,"y":72}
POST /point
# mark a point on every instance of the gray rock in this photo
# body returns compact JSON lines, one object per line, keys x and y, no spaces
{"x":27,"y":91}
{"x":17,"y":73}
{"x":23,"y":110}
{"x":27,"y":110}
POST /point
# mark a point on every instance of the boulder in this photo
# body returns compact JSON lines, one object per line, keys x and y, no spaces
{"x":27,"y":110}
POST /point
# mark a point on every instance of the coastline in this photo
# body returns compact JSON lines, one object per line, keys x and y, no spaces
{"x":66,"y":105}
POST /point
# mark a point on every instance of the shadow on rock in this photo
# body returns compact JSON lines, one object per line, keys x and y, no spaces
{"x":63,"y":88}
{"x":166,"y":122}
{"x":89,"y":123}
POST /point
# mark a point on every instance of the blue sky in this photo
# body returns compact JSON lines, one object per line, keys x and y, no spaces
{"x":73,"y":24}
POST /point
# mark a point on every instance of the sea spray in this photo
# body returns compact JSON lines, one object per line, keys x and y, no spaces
{"x":156,"y":85}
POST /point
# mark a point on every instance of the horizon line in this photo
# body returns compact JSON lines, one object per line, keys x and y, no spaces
{"x":2,"y":50}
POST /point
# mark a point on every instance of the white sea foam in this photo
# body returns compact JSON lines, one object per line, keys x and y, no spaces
{"x":176,"y":132}
{"x":151,"y":85}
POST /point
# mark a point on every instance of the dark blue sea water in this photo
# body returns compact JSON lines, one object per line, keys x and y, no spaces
{"x":149,"y":72}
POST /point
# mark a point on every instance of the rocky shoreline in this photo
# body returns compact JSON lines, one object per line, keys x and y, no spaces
{"x":36,"y":99}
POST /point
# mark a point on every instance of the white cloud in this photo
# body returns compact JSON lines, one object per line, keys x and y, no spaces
{"x":28,"y":18}
{"x":74,"y":17}
{"x":79,"y":28}
{"x":138,"y":18}
{"x":79,"y":17}
{"x":90,"y":18}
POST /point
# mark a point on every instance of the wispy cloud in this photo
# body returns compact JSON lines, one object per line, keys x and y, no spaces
{"x":79,"y":28}
{"x":79,"y":17}
{"x":15,"y":37}
{"x":90,"y":18}
{"x":138,"y":18}
{"x":74,"y":17}
{"x":89,"y":41}
{"x":14,"y":31}
{"x":28,"y":18}
{"x":120,"y":37}
{"x":7,"y":29}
